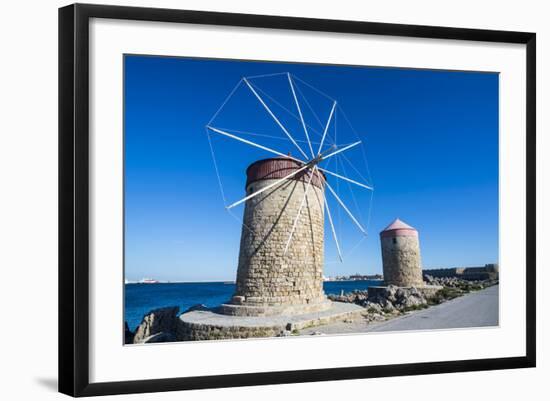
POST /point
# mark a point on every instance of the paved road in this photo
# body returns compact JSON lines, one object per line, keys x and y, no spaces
{"x":478,"y":309}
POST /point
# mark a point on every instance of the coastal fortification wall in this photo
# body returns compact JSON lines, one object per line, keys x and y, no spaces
{"x":489,"y":271}
{"x":266,"y":275}
{"x":401,"y":255}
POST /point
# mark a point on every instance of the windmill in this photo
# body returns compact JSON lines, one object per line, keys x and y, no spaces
{"x":280,"y":115}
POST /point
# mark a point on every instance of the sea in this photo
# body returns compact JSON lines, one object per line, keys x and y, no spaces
{"x":139,"y":299}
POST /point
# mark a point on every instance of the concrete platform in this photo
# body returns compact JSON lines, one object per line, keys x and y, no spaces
{"x":209,"y":325}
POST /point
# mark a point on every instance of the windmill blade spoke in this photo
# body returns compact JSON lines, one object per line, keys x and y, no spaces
{"x":326,"y":126}
{"x":266,"y":75}
{"x":346,"y":209}
{"x":275,"y":152}
{"x":290,"y":113}
{"x":342,"y":149}
{"x":333,"y":230}
{"x":346,"y":179}
{"x":300,"y":114}
{"x":299,"y":211}
{"x":354,"y":168}
{"x":268,"y":187}
{"x":317,"y":146}
{"x":257,"y":134}
{"x":225,"y":102}
{"x":266,"y":107}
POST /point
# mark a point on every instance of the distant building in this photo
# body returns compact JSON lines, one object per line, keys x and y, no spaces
{"x":355,"y":277}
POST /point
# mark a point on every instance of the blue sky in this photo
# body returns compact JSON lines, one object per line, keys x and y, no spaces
{"x":431,"y":139}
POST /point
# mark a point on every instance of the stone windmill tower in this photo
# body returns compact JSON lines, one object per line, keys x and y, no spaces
{"x":281,"y":256}
{"x":277,"y":275}
{"x":279,"y":282}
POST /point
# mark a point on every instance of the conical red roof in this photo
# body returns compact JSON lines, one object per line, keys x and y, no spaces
{"x":398,"y":228}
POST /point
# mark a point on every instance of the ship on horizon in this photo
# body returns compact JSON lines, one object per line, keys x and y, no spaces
{"x":148,"y":281}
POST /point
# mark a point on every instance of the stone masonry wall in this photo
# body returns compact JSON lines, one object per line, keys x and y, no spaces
{"x":489,"y":271}
{"x":401,"y":261}
{"x":266,"y":276}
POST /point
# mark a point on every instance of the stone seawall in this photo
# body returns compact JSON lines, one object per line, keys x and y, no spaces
{"x":488,"y":272}
{"x":188,"y":331}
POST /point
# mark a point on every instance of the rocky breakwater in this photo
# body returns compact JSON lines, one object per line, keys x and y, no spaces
{"x":455,"y":287}
{"x":392,"y":301}
{"x":157,"y":326}
{"x":388,"y":302}
{"x":455,"y":282}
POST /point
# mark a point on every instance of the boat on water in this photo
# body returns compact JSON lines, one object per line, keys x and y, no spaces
{"x":148,"y":281}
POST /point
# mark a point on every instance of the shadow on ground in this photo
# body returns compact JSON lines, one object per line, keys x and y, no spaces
{"x":49,"y":383}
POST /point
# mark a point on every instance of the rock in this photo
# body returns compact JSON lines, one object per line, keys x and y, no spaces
{"x":285,"y":333}
{"x":238,"y":300}
{"x":411,"y":301}
{"x":409,"y":297}
{"x":360,"y":297}
{"x":373,"y":307}
{"x":159,"y":338}
{"x":357,"y":297}
{"x":455,"y":282}
{"x":390,"y":293}
{"x":128,"y":335}
{"x":378,"y":317}
{"x":387,"y":306}
{"x":196,"y":307}
{"x":402,"y":293}
{"x":157,"y":321}
{"x":429,"y":279}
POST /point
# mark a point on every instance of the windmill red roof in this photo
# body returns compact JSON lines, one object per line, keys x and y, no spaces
{"x":279,"y":167}
{"x":398,"y":228}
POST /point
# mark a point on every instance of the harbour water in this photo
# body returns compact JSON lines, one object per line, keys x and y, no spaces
{"x":139,"y":299}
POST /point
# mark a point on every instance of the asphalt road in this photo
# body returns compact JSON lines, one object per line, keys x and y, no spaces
{"x":478,"y":309}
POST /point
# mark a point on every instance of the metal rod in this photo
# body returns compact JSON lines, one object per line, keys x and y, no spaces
{"x":346,"y":179}
{"x":219,"y":131}
{"x":326,"y":126}
{"x":333,"y":230}
{"x":341,"y":150}
{"x":299,"y":211}
{"x":345,"y":208}
{"x":274,"y":117}
{"x":300,"y":114}
{"x":268,"y":187}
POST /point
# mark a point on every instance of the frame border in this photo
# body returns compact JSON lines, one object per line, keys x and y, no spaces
{"x":73,"y":269}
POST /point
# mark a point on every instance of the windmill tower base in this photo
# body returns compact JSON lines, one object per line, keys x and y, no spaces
{"x":236,"y":309}
{"x":212,"y":325}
